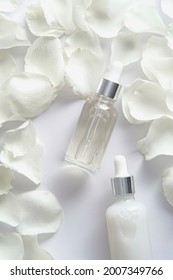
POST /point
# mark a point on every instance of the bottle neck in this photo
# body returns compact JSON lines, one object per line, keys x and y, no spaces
{"x":124,"y":197}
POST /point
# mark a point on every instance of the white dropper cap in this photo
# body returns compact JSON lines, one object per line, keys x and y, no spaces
{"x":122,"y":183}
{"x":120,"y":166}
{"x":114,"y":72}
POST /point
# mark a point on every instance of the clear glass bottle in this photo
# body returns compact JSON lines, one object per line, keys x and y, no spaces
{"x":126,"y":219}
{"x":94,"y":128}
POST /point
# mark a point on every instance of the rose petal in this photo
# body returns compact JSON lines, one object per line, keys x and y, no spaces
{"x":59,"y":14}
{"x":45,"y":57}
{"x":32,"y":250}
{"x":11,"y":246}
{"x":41,"y":213}
{"x":9,"y":5}
{"x":145,"y":101}
{"x":126,"y":48}
{"x":81,"y":40}
{"x":5,"y":112}
{"x":10,"y":209}
{"x":12,"y":34}
{"x":29,"y":94}
{"x":167,"y":182}
{"x":158,"y":140}
{"x":21,"y":140}
{"x":84,"y":70}
{"x":7,"y":66}
{"x":37,"y":22}
{"x":6,"y":176}
{"x":167,"y":7}
{"x":106,"y":19}
{"x":156,"y":56}
{"x":144,"y":17}
{"x":79,"y":10}
{"x":29,"y":165}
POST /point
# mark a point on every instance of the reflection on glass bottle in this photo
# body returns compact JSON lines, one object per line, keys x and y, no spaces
{"x":94,"y":128}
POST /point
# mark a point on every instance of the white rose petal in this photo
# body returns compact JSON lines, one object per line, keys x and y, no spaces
{"x":41,"y":213}
{"x":32,"y":250}
{"x":29,"y":165}
{"x":81,"y":40}
{"x":12,"y":34}
{"x":84,"y":70}
{"x":6,"y":176}
{"x":126,"y":48}
{"x":5,"y":111}
{"x":167,"y":182}
{"x":167,"y":7}
{"x":7,"y":66}
{"x":157,"y":62}
{"x":9,"y":5}
{"x":10,"y":209}
{"x":11,"y":246}
{"x":106,"y":17}
{"x":79,"y":10}
{"x":45,"y":57}
{"x":37,"y":22}
{"x":144,"y":17}
{"x":158,"y":140}
{"x":145,"y":101}
{"x":21,"y":140}
{"x":59,"y":14}
{"x":29,"y":94}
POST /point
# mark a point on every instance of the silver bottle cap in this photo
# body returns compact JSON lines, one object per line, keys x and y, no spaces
{"x":109,"y":89}
{"x":122,"y":183}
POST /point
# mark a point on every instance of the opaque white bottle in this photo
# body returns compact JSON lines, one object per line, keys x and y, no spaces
{"x":127,"y":219}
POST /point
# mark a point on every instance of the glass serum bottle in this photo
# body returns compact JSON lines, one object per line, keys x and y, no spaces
{"x":94,"y":128}
{"x":126,"y":219}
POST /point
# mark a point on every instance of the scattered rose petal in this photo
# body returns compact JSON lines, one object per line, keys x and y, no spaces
{"x":29,"y":165}
{"x":41,"y":213}
{"x":10,"y":209}
{"x":37,"y":22}
{"x":7,"y":66}
{"x":106,"y":18}
{"x":157,"y":62}
{"x":158,"y":140}
{"x":79,"y":10}
{"x":12,"y":34}
{"x":21,"y":140}
{"x":145,"y":101}
{"x":59,"y":14}
{"x":81,"y":40}
{"x":45,"y":57}
{"x":144,"y":17}
{"x":29,"y":94}
{"x":6,"y":176}
{"x":11,"y":246}
{"x":5,"y":112}
{"x":126,"y":48}
{"x":167,"y":182}
{"x":84,"y":70}
{"x":9,"y":5}
{"x":32,"y":250}
{"x":167,"y":7}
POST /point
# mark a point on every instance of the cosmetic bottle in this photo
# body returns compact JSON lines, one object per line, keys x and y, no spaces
{"x":127,"y":219}
{"x":95,"y":126}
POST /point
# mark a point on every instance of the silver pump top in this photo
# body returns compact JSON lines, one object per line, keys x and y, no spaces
{"x":109,"y":89}
{"x":122,"y":183}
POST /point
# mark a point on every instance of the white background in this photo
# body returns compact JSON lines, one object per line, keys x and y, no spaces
{"x":85,"y":197}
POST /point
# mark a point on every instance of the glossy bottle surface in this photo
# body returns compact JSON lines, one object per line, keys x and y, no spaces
{"x":128,"y":230}
{"x":92,"y":134}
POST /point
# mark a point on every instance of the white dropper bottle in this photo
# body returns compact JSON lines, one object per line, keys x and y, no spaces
{"x":126,"y":219}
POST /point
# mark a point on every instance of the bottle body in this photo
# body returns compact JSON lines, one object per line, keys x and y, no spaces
{"x":92,"y":134}
{"x":128,"y":230}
